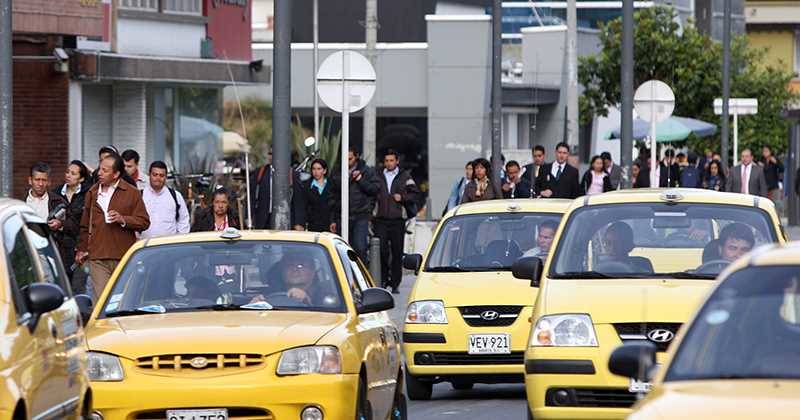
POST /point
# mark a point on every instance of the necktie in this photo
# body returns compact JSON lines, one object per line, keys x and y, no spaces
{"x":746,"y":180}
{"x":558,"y":173}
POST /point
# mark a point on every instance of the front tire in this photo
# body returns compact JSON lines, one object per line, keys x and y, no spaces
{"x":363,"y":406}
{"x":399,"y":406}
{"x":418,"y":390}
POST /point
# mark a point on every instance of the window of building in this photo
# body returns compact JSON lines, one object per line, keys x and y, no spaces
{"x":139,"y":4}
{"x":188,"y":7}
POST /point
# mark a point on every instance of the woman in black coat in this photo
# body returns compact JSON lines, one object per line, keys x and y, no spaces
{"x":317,"y":202}
{"x":591,"y":183}
{"x":73,"y":190}
{"x":219,"y":216}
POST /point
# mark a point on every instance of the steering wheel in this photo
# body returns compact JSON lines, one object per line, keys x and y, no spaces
{"x":497,"y":264}
{"x":708,"y":267}
{"x":283,"y":299}
{"x":613,"y":267}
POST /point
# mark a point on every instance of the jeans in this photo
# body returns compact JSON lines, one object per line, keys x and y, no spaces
{"x":392,"y":233}
{"x":359,"y":237}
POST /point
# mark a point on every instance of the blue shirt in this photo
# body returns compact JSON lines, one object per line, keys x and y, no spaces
{"x":317,"y":186}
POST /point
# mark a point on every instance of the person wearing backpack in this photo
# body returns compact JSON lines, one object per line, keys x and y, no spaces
{"x":690,"y":175}
{"x":166,"y":207}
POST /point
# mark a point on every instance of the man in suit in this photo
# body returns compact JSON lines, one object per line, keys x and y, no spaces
{"x":531,"y":170}
{"x":559,"y":179}
{"x":614,"y":171}
{"x":747,"y":177}
{"x":514,"y":184}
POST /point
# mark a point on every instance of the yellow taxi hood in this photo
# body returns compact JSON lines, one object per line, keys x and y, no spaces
{"x":625,"y":300}
{"x":256,"y":332}
{"x":477,"y":288}
{"x":730,"y":399}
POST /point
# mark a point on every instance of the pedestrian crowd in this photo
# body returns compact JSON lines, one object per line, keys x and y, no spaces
{"x":561,"y":178}
{"x":96,"y":216}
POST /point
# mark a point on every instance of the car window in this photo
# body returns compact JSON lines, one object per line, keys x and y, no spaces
{"x":651,"y":239}
{"x":489,"y":242}
{"x":351,"y":273}
{"x":227,"y":275}
{"x":19,"y":261}
{"x":748,"y":328}
{"x":49,"y":257}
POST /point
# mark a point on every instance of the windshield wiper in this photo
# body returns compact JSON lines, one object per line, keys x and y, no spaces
{"x":465,"y":269}
{"x":450,"y":269}
{"x":688,"y":275}
{"x":144,"y":310}
{"x":584,"y":275}
{"x":256,"y":306}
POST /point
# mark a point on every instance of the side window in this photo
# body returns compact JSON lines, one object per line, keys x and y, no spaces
{"x":48,"y":257}
{"x":352,"y":281}
{"x":362,"y":278}
{"x":19,"y":261}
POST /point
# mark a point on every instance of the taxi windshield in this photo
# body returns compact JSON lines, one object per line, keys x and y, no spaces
{"x":240,"y":275}
{"x":491,"y":242}
{"x":658,"y":240}
{"x":748,"y":329}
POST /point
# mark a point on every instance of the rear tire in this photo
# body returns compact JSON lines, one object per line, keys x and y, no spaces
{"x":418,"y":390}
{"x":363,"y":406}
{"x":399,"y":406}
{"x":462,"y":386}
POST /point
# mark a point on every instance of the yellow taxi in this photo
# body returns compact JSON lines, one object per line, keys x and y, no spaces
{"x":254,"y":325}
{"x":468,"y":318}
{"x":627,"y":266}
{"x":738,"y":358}
{"x":42,"y":362}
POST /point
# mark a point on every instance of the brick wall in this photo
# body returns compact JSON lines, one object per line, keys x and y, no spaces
{"x":69,"y":17}
{"x":41,"y":116}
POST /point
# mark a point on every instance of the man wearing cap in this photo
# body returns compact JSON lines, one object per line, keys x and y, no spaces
{"x":614,"y":171}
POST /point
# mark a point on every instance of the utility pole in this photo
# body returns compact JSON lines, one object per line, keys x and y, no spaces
{"x":281,"y":113}
{"x":572,"y":76}
{"x":626,"y":70}
{"x":6,"y":101}
{"x":726,"y":81}
{"x":497,"y":86}
{"x":370,"y":113}
{"x":314,"y":73}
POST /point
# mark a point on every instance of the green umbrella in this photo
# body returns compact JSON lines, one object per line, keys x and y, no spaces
{"x":670,"y":130}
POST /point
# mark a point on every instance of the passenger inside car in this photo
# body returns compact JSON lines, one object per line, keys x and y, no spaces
{"x":736,"y":240}
{"x":619,"y":243}
{"x":202,"y":288}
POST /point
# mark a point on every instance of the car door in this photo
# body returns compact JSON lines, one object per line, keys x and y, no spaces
{"x":63,"y":323}
{"x":371,"y":338}
{"x":38,"y":344}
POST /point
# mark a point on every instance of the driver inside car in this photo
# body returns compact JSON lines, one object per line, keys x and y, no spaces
{"x":298,"y":281}
{"x":735,"y":240}
{"x":202,"y":288}
{"x":618,"y":241}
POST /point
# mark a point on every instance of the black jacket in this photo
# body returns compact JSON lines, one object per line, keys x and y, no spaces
{"x":529,"y":175}
{"x":204,"y":220}
{"x":669,"y":177}
{"x":587,"y":179}
{"x":315,"y":211}
{"x":72,"y":223}
{"x":404,"y":185}
{"x":261,"y":196}
{"x":362,"y":193}
{"x":566,"y":186}
{"x":521,"y":190}
{"x":773,"y":173}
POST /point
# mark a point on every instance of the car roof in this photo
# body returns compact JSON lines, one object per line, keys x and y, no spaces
{"x":245,"y":235}
{"x":523,"y":205}
{"x":678,"y":195}
{"x":13,"y":205}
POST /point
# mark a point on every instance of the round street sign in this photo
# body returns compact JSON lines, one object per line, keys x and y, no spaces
{"x":352,"y":69}
{"x":654,"y":101}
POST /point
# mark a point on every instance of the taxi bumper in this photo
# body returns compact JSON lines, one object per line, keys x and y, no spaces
{"x":251,"y":397}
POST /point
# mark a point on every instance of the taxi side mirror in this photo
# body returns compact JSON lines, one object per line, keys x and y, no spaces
{"x":412,"y":262}
{"x":85,"y":307}
{"x":528,"y":268}
{"x":633,"y":360}
{"x":375,"y":300}
{"x":41,"y":299}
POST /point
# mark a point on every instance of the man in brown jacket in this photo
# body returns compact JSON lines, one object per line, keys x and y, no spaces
{"x":113,"y":213}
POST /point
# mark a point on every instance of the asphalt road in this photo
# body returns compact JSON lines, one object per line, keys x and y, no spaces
{"x":505,"y":402}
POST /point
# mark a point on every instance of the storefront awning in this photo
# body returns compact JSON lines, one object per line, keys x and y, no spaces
{"x":98,"y":67}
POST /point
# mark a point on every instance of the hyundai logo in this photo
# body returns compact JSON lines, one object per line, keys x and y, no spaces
{"x":489,"y":315}
{"x":199,"y":362}
{"x":661,"y":336}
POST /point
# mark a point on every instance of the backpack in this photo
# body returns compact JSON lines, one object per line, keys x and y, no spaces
{"x":177,"y":205}
{"x":690,"y":178}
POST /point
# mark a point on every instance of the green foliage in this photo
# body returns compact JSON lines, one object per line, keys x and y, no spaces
{"x":328,"y":145}
{"x":691,"y":63}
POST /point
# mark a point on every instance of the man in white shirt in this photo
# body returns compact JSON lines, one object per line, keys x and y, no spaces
{"x":43,"y":203}
{"x":166,"y":207}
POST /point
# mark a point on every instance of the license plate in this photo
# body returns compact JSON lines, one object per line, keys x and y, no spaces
{"x":489,"y":344}
{"x":638,"y":386}
{"x":213,"y":414}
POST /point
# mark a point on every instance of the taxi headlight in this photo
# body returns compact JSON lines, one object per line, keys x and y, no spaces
{"x":312,"y":359}
{"x":570,"y":330}
{"x":104,"y":367}
{"x":426,"y":312}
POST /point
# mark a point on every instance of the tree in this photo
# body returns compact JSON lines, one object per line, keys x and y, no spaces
{"x":691,"y":63}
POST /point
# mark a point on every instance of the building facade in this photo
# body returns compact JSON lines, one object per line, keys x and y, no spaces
{"x":775,"y":26}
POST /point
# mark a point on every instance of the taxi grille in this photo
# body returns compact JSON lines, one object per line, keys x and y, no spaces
{"x":590,"y":397}
{"x":458,"y":358}
{"x":504,"y":315}
{"x":233,"y":414}
{"x":177,"y":362}
{"x":638,"y":331}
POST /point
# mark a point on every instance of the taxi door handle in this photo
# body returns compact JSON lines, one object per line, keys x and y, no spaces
{"x":383,"y":337}
{"x":54,"y":331}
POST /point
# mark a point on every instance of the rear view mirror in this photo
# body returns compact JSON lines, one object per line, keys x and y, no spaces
{"x":528,"y":268}
{"x":85,"y":307}
{"x":633,"y":360}
{"x":412,"y":262}
{"x":676,"y":220}
{"x":230,"y":259}
{"x":375,"y":300}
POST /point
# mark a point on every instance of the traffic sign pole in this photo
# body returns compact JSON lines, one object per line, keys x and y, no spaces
{"x":344,"y":229}
{"x":654,"y":102}
{"x":653,"y":146}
